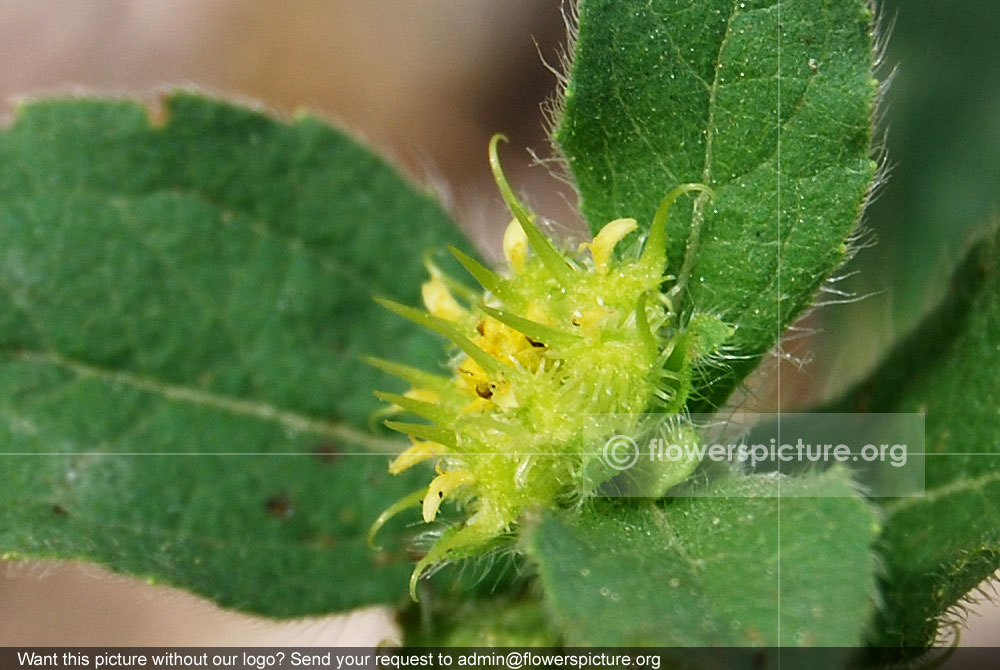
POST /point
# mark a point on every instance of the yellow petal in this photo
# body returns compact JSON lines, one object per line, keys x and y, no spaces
{"x":606,"y":239}
{"x":441,"y":486}
{"x":420,"y":451}
{"x":476,"y":405}
{"x":439,"y":301}
{"x":593,"y":318}
{"x":515,"y":246}
{"x":470,"y":373}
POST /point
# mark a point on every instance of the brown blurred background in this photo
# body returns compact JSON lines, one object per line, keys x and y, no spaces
{"x":426,"y":82}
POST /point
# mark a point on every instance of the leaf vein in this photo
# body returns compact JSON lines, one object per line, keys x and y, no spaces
{"x":238,"y":406}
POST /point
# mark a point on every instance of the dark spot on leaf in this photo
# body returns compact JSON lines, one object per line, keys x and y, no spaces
{"x":348,"y":514}
{"x":280,"y":506}
{"x":754,"y":636}
{"x":534,"y":343}
{"x":440,"y":494}
{"x":59,"y":510}
{"x":481,"y":327}
{"x":327,"y":452}
{"x":484,"y":390}
{"x":158,"y":112}
{"x":383,"y":558}
{"x":863,"y":400}
{"x":324,"y":541}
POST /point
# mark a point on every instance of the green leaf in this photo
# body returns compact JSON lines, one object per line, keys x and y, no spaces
{"x":672,"y":91}
{"x":182,"y":307}
{"x":940,"y":546}
{"x":501,"y":621}
{"x":737,"y":568}
{"x":939,"y":193}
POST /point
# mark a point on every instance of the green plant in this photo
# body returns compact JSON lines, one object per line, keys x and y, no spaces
{"x":204,"y":287}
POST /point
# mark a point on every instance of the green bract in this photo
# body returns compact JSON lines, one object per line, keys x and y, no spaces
{"x":554,"y":338}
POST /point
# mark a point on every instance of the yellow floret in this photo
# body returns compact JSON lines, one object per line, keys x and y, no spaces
{"x":604,"y":242}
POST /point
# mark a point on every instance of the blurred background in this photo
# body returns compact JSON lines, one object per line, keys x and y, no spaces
{"x":426,"y":82}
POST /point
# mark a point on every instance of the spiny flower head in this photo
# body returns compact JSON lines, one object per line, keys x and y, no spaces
{"x":553,"y":338}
